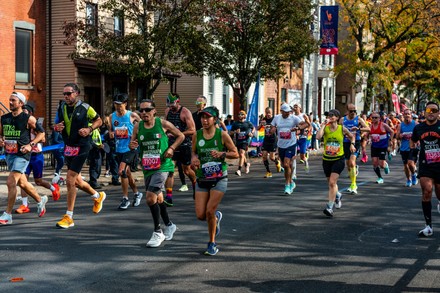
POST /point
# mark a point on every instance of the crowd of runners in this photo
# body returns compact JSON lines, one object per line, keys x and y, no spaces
{"x":199,"y":143}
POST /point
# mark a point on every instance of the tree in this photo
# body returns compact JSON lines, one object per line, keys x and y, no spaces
{"x":236,"y":39}
{"x":149,"y":45}
{"x":386,"y":34}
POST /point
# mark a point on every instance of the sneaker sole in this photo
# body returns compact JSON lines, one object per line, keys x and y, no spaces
{"x":327,"y":213}
{"x":65,"y":227}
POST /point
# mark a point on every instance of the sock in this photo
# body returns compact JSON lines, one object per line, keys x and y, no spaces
{"x":364,"y":154}
{"x":155,"y":212}
{"x":125,"y":196}
{"x":164,"y":214}
{"x":52,"y":188}
{"x":353,"y":175}
{"x":69,"y":214}
{"x":277,"y":162}
{"x":245,"y":164}
{"x":330,"y":204}
{"x":96,"y":195}
{"x":377,"y":171}
{"x":239,"y":167}
{"x":427,"y":206}
{"x":266,"y":164}
{"x":169,"y":191}
{"x":25,"y":201}
{"x":294,"y":168}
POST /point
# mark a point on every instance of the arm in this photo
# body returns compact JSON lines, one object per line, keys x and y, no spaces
{"x":133,"y":141}
{"x":32,"y":124}
{"x":111,"y":132}
{"x":223,"y":126}
{"x":320,"y":133}
{"x":399,"y":132}
{"x":169,"y":127}
{"x":364,"y":127}
{"x":189,"y":121}
{"x":195,"y":162}
{"x":351,"y":137}
{"x":134,"y":117}
{"x":231,"y":152}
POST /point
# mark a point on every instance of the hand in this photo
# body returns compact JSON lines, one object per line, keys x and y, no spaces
{"x":25,"y":149}
{"x":168,"y":153}
{"x":59,"y":127}
{"x":195,"y":163}
{"x":133,"y":144}
{"x":84,"y":132}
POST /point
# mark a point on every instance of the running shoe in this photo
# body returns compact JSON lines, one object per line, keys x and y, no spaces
{"x":328,"y":212}
{"x":427,"y":232}
{"x":56,"y":193}
{"x":212,"y":249}
{"x":238,"y":172}
{"x":353,"y":189}
{"x":125,"y":203}
{"x":5,"y":219}
{"x":414,"y":180}
{"x":268,"y":175}
{"x":408,"y":183}
{"x":294,"y":177}
{"x":168,"y":231}
{"x":183,"y":188}
{"x":137,"y":199}
{"x":379,"y":181}
{"x":168,"y":200}
{"x":390,"y":157}
{"x":23,"y":209}
{"x":279,"y":167}
{"x":41,"y":206}
{"x":394,"y":153}
{"x":364,"y":159}
{"x":56,"y":178}
{"x":97,"y":205}
{"x":219,"y":217}
{"x":156,"y":239}
{"x":307,"y":168}
{"x":338,"y":200}
{"x":287,"y":189}
{"x":107,"y":174}
{"x":248,"y":165}
{"x":386,"y":169}
{"x":66,"y":222}
{"x":292,"y":186}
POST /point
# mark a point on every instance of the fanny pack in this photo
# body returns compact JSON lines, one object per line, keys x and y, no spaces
{"x":207,"y":183}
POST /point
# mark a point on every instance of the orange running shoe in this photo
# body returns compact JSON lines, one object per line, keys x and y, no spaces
{"x":97,"y":205}
{"x":23,"y":209}
{"x":56,"y":193}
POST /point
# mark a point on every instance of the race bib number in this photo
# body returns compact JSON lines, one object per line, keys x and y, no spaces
{"x":121,"y":132}
{"x":212,"y":170}
{"x":285,"y":134}
{"x":70,"y":151}
{"x":375,"y":137}
{"x":406,"y":135}
{"x":432,"y":156}
{"x":151,"y":162}
{"x":11,"y":146}
{"x":241,"y":135}
{"x":332,"y":149}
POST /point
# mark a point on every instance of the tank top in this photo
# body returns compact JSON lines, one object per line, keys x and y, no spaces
{"x":153,"y":142}
{"x":210,"y":167}
{"x":352,"y":123}
{"x":16,"y":133}
{"x":174,"y":118}
{"x":406,"y":130}
{"x":333,"y":143}
{"x":379,"y":137}
{"x":123,"y":129}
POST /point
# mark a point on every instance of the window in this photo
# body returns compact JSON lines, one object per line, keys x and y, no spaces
{"x":271,"y":103}
{"x":225,"y":98}
{"x":23,"y":55}
{"x":119,"y":23}
{"x":92,"y":17}
{"x":211,"y":89}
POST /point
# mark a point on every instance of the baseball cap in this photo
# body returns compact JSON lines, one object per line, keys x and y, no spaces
{"x":286,"y":108}
{"x":120,"y":98}
{"x":210,"y":111}
{"x":334,"y":112}
{"x":20,"y":96}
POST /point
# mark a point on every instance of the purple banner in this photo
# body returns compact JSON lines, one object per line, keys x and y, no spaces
{"x":329,"y":30}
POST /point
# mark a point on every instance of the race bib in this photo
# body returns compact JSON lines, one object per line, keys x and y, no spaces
{"x":375,"y":137}
{"x":432,"y":156}
{"x":151,"y":162}
{"x":332,"y":149}
{"x":241,"y":135}
{"x":212,"y":170}
{"x":406,"y":135}
{"x":11,"y":146}
{"x":121,"y":132}
{"x":70,"y":151}
{"x":285,"y":134}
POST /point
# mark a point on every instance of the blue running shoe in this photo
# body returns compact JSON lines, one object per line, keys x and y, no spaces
{"x":379,"y":181}
{"x":212,"y":249}
{"x":386,"y":169}
{"x":219,"y":216}
{"x":408,"y":183}
{"x":414,"y":180}
{"x":292,"y":186}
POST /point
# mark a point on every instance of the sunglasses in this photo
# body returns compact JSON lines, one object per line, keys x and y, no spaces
{"x":331,"y":115}
{"x":431,"y":110}
{"x":67,"y":93}
{"x":375,"y":117}
{"x":199,"y":103}
{"x":352,"y":111}
{"x":147,"y":110}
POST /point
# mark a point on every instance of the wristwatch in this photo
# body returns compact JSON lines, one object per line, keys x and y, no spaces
{"x":223,"y":156}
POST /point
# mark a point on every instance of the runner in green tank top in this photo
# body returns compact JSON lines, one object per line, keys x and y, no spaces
{"x":333,"y":157}
{"x":208,"y":159}
{"x":155,"y":153}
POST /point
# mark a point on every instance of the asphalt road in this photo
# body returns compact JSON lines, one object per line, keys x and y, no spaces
{"x":268,"y":242}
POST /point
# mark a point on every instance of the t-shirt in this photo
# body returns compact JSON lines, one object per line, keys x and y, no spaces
{"x":286,"y":138}
{"x":429,"y":137}
{"x":245,"y":128}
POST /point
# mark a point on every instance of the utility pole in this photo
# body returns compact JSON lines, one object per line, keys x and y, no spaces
{"x":315,"y":62}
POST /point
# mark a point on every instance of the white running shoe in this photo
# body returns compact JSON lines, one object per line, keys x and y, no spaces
{"x":427,"y":232}
{"x":156,"y":239}
{"x":338,"y":201}
{"x":238,"y":172}
{"x":287,"y":189}
{"x":168,"y":231}
{"x":5,"y":219}
{"x":183,"y":188}
{"x":247,"y":167}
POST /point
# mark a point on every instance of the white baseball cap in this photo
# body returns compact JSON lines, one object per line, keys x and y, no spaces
{"x":20,"y":96}
{"x":286,"y":108}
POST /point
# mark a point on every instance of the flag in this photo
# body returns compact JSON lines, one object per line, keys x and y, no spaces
{"x":329,"y":30}
{"x":253,"y":113}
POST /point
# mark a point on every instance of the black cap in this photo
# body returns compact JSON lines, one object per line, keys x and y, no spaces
{"x":120,"y":98}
